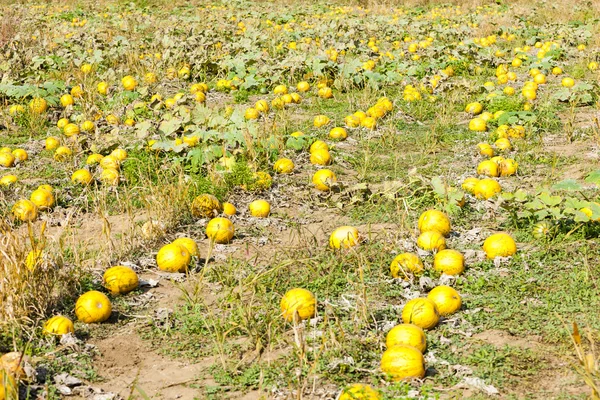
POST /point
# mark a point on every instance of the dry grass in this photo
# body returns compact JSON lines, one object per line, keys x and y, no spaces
{"x":31,"y":287}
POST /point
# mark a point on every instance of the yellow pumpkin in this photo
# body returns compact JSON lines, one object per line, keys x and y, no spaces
{"x":229,"y":209}
{"x":119,"y":154}
{"x":358,"y":391}
{"x":7,"y":160}
{"x":320,"y":120}
{"x":338,"y":133}
{"x":206,"y":206}
{"x":488,"y":168}
{"x":120,"y":279}
{"x":92,"y":307}
{"x":66,"y":100}
{"x":486,"y":188}
{"x":71,"y":130}
{"x":42,"y":198}
{"x":352,"y":121}
{"x":369,"y":123}
{"x":58,"y":325}
{"x":403,"y":362}
{"x":446,"y":299}
{"x":173,"y":257}
{"x":404,"y":264}
{"x":485,"y":149}
{"x":431,"y":240}
{"x":474,"y":108}
{"x":259,"y":208}
{"x":251,"y":113}
{"x":344,"y":237}
{"x":110,"y":177}
{"x":8,"y":180}
{"x":478,"y":125}
{"x":450,"y":262}
{"x":93,"y":159}
{"x":110,"y":162}
{"x":87,"y":126}
{"x":499,"y":245}
{"x":298,"y":304}
{"x":283,"y":166}
{"x":129,"y":82}
{"x":503,"y":144}
{"x":220,"y":230}
{"x":52,"y":143}
{"x":508,"y":167}
{"x":62,"y":153}
{"x":320,"y":157}
{"x":434,"y":220}
{"x":190,"y":244}
{"x":408,"y":334}
{"x":38,"y":105}
{"x":25,"y":210}
{"x":421,"y":312}
{"x":318,"y":145}
{"x":303,"y":86}
{"x":323,"y":179}
{"x":280,"y":89}
{"x":261,"y":106}
{"x":81,"y":176}
{"x":20,"y":155}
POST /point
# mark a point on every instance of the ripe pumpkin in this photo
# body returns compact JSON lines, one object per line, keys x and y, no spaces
{"x":52,"y":143}
{"x":474,"y":108}
{"x":81,"y":176}
{"x":283,"y":166}
{"x":408,"y":334}
{"x":344,"y":237}
{"x":58,"y":325}
{"x":403,"y":362}
{"x":20,"y":155}
{"x":446,"y":299}
{"x":320,"y":157}
{"x":110,"y":162}
{"x":38,"y":105}
{"x":320,"y":120}
{"x":318,"y":145}
{"x":488,"y":168}
{"x":404,"y":264}
{"x":259,"y":208}
{"x":251,"y":113}
{"x":206,"y":206}
{"x":7,"y":160}
{"x":110,"y":177}
{"x":66,"y":100}
{"x":173,"y":257}
{"x":352,"y":121}
{"x":280,"y":89}
{"x":431,"y":240}
{"x":499,"y":245}
{"x":190,"y":244}
{"x":42,"y":198}
{"x":229,"y":209}
{"x":62,"y":153}
{"x":338,"y":133}
{"x":485,"y":149}
{"x":92,"y":307}
{"x":369,"y":123}
{"x":450,"y":262}
{"x":71,"y":130}
{"x":8,"y":180}
{"x":434,"y":220}
{"x":129,"y":83}
{"x":478,"y":125}
{"x":120,"y":279}
{"x":25,"y":210}
{"x":303,"y":86}
{"x":220,"y":229}
{"x":358,"y":391}
{"x":323,"y":179}
{"x":421,"y":312}
{"x":486,"y":188}
{"x":119,"y":154}
{"x":298,"y":304}
{"x":508,"y":167}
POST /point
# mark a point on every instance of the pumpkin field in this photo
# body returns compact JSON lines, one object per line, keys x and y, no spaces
{"x":299,"y":200}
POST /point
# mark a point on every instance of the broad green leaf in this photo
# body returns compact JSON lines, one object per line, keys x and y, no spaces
{"x":593,"y":177}
{"x":570,"y":185}
{"x":550,"y":200}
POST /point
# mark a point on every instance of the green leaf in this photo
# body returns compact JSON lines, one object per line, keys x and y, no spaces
{"x":438,"y":187}
{"x":570,"y":185}
{"x":169,"y":127}
{"x":550,"y":200}
{"x":581,"y":217}
{"x":593,"y":177}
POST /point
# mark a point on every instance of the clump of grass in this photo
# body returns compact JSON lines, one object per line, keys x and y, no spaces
{"x":31,"y":286}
